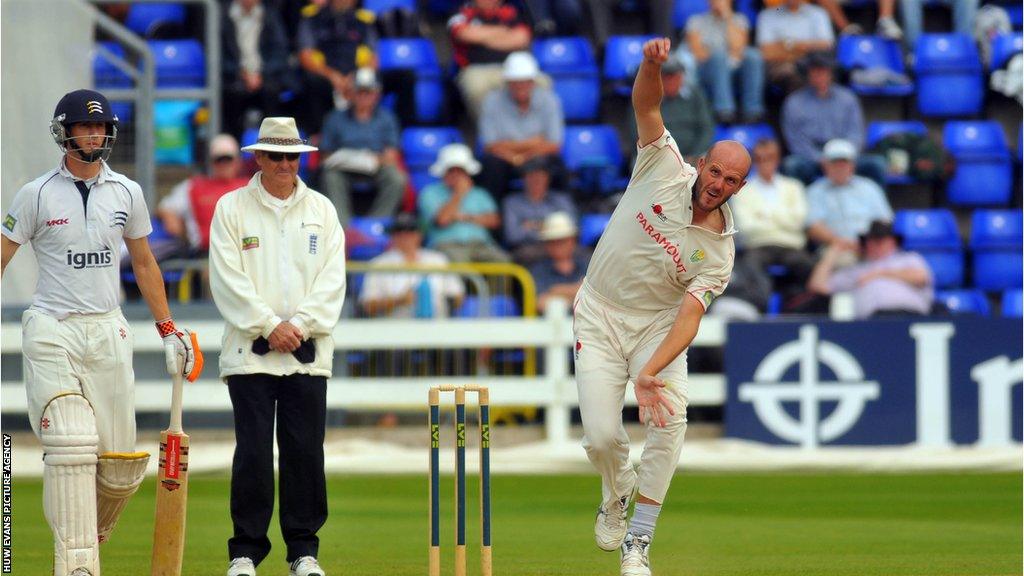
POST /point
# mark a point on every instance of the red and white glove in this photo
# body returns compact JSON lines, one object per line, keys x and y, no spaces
{"x":181,"y":350}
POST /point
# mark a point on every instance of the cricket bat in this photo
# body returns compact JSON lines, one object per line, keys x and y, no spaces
{"x":171,"y":492}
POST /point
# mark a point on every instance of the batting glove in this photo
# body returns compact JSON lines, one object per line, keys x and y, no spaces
{"x":181,"y":350}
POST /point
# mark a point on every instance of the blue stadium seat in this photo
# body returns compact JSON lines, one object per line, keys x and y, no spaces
{"x":947,"y":267}
{"x":927,"y":229}
{"x":591,"y":228}
{"x":1013,"y":303}
{"x":746,"y":134}
{"x":372,"y":236}
{"x":580,"y":96}
{"x":996,"y":270}
{"x":622,"y":56}
{"x":949,"y":81}
{"x":565,"y":55}
{"x":964,"y":301}
{"x":996,"y":241}
{"x":879,"y":129}
{"x":179,"y":63}
{"x":144,"y":17}
{"x":984,"y":174}
{"x":593,"y":155}
{"x":869,"y":52}
{"x":409,"y":53}
{"x":421,"y":180}
{"x":380,"y":6}
{"x":686,"y":8}
{"x":417,"y":54}
{"x":500,"y":306}
{"x":570,"y":63}
{"x":420,"y":145}
{"x":1004,"y":47}
{"x":123,"y":110}
{"x":996,"y":229}
{"x":104,"y":73}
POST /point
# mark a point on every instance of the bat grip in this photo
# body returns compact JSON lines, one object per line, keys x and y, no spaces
{"x":176,"y":391}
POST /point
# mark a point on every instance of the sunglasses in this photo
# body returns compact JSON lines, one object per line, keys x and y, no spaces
{"x":220,"y":159}
{"x":278,"y":156}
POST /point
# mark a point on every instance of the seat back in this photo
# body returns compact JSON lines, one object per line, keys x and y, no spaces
{"x":924,"y":229}
{"x":409,"y":53}
{"x":565,"y":55}
{"x":179,"y":63}
{"x":591,"y":145}
{"x":420,"y":145}
{"x":746,"y":134}
{"x":869,"y":52}
{"x":996,"y":229}
{"x":622,"y":56}
{"x":964,"y":301}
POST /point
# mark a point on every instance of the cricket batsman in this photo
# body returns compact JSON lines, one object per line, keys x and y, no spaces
{"x":666,"y":254}
{"x":77,"y":346}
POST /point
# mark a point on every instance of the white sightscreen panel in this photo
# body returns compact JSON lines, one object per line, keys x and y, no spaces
{"x":45,"y":52}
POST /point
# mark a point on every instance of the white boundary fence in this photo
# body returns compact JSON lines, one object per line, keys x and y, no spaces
{"x":555,"y":390}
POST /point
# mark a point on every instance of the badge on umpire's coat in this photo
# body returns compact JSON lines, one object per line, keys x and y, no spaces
{"x":250,"y":242}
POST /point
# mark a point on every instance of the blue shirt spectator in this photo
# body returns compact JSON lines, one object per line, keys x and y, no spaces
{"x":343,"y":130}
{"x":842,"y":205}
{"x":523,"y":213}
{"x":476,"y":202}
{"x":504,"y":119}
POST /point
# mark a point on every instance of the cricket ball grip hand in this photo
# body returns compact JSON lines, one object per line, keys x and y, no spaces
{"x":181,"y":350}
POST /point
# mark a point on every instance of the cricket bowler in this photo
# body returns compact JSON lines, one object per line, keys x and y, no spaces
{"x":77,"y":346}
{"x":666,"y":254}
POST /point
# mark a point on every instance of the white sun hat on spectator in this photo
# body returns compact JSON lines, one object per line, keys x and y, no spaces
{"x":454,"y":156}
{"x":557,"y":226}
{"x":520,"y":66}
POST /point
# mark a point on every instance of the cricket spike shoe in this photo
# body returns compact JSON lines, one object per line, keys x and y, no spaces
{"x":305,"y":566}
{"x":242,"y":567}
{"x":635,"y":561}
{"x":610,"y":524}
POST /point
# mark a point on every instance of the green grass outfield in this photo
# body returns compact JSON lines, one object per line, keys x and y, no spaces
{"x":732,"y":524}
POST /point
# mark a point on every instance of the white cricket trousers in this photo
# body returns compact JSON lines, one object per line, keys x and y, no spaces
{"x":612,"y":345}
{"x":89,"y":354}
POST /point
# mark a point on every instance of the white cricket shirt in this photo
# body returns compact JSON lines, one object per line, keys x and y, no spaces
{"x":650,"y":254}
{"x":77,"y":238}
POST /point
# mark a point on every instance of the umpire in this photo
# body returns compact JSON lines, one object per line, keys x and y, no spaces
{"x":277,"y":273}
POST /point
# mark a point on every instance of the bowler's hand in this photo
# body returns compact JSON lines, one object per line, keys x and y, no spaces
{"x":657,"y":50}
{"x":653,"y":404}
{"x":285,"y":338}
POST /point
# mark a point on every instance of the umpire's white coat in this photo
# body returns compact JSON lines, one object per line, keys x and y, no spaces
{"x":272,"y":261}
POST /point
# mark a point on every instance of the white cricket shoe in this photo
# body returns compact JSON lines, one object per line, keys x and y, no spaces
{"x":610,"y":524}
{"x":81,"y":572}
{"x":634,"y":555}
{"x":242,"y":567}
{"x":305,"y":566}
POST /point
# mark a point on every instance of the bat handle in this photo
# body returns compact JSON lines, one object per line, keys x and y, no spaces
{"x":176,"y":391}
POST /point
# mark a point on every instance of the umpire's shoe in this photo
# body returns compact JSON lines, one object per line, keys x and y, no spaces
{"x":305,"y":566}
{"x":242,"y":567}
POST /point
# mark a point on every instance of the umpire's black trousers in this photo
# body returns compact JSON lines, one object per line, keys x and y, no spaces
{"x":300,"y":404}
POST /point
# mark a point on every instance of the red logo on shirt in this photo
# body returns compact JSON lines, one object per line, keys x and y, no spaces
{"x":658,"y":212}
{"x":58,"y":222}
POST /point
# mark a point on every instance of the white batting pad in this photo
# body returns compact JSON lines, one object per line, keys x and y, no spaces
{"x":67,"y":430}
{"x":118,"y":476}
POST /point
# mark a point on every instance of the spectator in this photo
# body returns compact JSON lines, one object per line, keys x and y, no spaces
{"x":187,"y":212}
{"x":520,"y":122}
{"x":720,"y":41}
{"x":335,"y":38}
{"x":524,"y":212}
{"x":842,"y":204}
{"x":964,"y":12}
{"x":254,"y":63}
{"x":817,"y":113}
{"x":886,"y":26}
{"x":684,"y":110}
{"x":555,"y":17}
{"x":785,"y":35}
{"x":401,"y":294}
{"x":770,"y":215}
{"x":659,"y":18}
{"x":459,"y":216}
{"x":887,"y":282}
{"x":484,"y":33}
{"x":361,"y":143}
{"x":561,"y":273}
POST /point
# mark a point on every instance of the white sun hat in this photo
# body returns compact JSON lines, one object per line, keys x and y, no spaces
{"x":454,"y":156}
{"x":558,"y":225}
{"x":279,"y":135}
{"x":520,"y":66}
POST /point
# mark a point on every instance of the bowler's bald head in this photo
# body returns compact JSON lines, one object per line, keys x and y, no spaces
{"x":730,"y":154}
